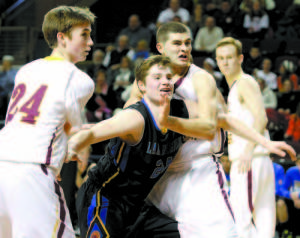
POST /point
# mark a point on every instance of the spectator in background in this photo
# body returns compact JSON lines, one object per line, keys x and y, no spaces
{"x":287,"y":71}
{"x":253,"y":61}
{"x":97,"y":63}
{"x":140,"y":53}
{"x":209,"y":65}
{"x":174,"y":9}
{"x":291,"y":191}
{"x":136,"y":32}
{"x":266,"y":74}
{"x":269,"y":97}
{"x":208,"y":36}
{"x":114,"y":54}
{"x":293,"y":130}
{"x":256,"y":22}
{"x":287,"y":99}
{"x":225,"y":17}
{"x":7,"y":82}
{"x":103,"y":101}
{"x":197,"y":18}
{"x":281,"y":207}
{"x":121,"y":78}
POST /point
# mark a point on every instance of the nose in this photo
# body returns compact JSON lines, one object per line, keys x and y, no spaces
{"x":90,"y":42}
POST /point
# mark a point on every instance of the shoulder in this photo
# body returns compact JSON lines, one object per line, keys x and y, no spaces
{"x":247,"y":80}
{"x":201,"y":76}
{"x":81,"y":81}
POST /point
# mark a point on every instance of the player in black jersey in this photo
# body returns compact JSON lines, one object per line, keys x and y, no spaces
{"x":138,"y":154}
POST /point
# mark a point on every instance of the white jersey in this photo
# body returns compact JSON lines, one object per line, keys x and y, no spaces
{"x":48,"y":93}
{"x":193,"y":148}
{"x":236,"y":144}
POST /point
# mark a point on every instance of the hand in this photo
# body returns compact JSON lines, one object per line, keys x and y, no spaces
{"x":165,"y":111}
{"x":297,"y":203}
{"x":72,"y":155}
{"x":244,"y":165}
{"x":279,"y":148}
{"x":294,"y":195}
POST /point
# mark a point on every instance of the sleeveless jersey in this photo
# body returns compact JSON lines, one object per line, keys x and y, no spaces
{"x":140,"y":166}
{"x":48,"y":92}
{"x":236,"y":144}
{"x":193,"y":148}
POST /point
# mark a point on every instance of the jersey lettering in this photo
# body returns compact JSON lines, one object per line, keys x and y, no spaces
{"x":30,"y":108}
{"x":160,"y":168}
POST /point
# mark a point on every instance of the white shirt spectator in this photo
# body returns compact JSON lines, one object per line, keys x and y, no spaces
{"x":270,"y":78}
{"x":168,"y":14}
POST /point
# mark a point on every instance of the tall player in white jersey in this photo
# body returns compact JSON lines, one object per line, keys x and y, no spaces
{"x":252,"y":191}
{"x":46,"y":105}
{"x":193,"y":190}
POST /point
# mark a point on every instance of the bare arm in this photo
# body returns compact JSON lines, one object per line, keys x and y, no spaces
{"x":236,"y":126}
{"x":131,"y":131}
{"x":204,"y":125}
{"x":251,"y":97}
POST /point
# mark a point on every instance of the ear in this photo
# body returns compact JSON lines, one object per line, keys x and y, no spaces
{"x":159,"y":47}
{"x":141,"y":86}
{"x":241,"y":58}
{"x":61,"y":39}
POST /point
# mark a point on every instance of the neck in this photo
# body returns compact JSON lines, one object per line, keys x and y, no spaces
{"x":180,"y":71}
{"x":232,"y":78}
{"x":58,"y":53}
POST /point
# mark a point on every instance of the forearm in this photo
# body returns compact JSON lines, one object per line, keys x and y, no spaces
{"x":198,"y":127}
{"x":81,"y":140}
{"x":237,"y":127}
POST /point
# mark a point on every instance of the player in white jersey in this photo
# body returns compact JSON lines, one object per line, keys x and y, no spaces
{"x":46,"y":106}
{"x":193,"y":191}
{"x":252,"y":190}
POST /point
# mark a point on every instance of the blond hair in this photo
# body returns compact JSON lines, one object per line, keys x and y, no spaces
{"x":231,"y":41}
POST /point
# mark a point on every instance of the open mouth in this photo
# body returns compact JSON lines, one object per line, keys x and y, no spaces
{"x":165,"y":91}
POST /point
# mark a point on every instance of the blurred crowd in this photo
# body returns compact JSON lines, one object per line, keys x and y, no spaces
{"x":268,"y":30}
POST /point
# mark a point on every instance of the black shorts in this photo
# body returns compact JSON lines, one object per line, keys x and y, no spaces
{"x":151,"y":223}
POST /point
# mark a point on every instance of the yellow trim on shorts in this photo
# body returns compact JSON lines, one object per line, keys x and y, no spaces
{"x":54,"y":233}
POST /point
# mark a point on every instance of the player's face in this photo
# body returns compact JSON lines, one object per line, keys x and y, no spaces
{"x":158,"y":83}
{"x":228,"y":60}
{"x":178,"y":48}
{"x":79,"y":44}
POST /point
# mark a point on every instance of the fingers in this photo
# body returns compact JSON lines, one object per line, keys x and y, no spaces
{"x":244,"y":166}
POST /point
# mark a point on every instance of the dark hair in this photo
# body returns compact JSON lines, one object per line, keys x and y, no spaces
{"x":141,"y":70}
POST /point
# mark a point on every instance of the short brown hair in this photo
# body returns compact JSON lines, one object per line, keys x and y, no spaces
{"x":142,"y":70}
{"x":170,"y":27}
{"x":231,"y":41}
{"x":63,"y":19}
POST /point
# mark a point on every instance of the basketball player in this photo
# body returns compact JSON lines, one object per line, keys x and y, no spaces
{"x":192,"y":191}
{"x":252,"y":179}
{"x":139,"y":152}
{"x":46,"y":104}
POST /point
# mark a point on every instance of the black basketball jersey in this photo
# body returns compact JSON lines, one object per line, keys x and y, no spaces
{"x":140,"y":166}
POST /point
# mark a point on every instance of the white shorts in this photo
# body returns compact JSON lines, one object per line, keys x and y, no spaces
{"x":197,"y":199}
{"x":32,"y":203}
{"x":252,"y":196}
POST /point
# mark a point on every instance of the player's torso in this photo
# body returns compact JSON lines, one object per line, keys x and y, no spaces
{"x":236,"y":144}
{"x":34,"y":130}
{"x":193,"y":148}
{"x":141,"y":165}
